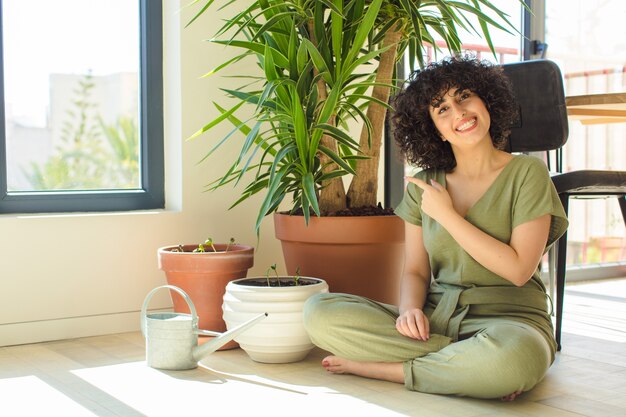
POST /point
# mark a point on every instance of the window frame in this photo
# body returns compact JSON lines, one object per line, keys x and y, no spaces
{"x":151,"y":193}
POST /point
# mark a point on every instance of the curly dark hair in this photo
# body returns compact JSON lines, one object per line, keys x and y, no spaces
{"x":413,"y":128}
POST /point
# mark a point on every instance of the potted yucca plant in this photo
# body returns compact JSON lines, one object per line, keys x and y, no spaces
{"x":322,"y":65}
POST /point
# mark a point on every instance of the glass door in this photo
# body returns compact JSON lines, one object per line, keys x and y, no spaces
{"x":582,"y":37}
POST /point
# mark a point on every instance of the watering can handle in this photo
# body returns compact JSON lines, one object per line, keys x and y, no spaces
{"x":144,"y":308}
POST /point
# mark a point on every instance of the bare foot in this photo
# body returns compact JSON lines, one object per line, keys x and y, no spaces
{"x":512,"y":396}
{"x":337,"y":365}
{"x":385,"y":371}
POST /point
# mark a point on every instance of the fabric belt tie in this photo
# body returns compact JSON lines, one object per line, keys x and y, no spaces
{"x":453,"y":304}
{"x":440,"y":319}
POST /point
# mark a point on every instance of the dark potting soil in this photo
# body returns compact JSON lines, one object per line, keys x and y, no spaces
{"x":284,"y":282}
{"x":356,"y":211}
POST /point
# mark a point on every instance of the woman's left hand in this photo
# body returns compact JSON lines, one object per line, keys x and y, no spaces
{"x":436,"y":201}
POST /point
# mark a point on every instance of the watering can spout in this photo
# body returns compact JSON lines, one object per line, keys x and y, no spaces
{"x":220,"y":340}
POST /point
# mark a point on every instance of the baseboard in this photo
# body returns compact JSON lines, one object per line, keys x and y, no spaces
{"x":590,"y":272}
{"x":69,"y":328}
{"x":596,"y":271}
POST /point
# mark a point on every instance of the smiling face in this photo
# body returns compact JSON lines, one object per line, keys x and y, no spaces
{"x":461,"y":118}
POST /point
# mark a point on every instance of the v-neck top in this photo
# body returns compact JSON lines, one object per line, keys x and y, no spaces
{"x":521,"y":192}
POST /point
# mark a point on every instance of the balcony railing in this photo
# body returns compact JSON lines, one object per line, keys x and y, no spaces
{"x":500,"y":51}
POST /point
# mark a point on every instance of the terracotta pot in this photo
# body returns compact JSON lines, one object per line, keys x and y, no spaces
{"x":204,"y":276}
{"x":361,"y":255}
{"x":281,"y":336}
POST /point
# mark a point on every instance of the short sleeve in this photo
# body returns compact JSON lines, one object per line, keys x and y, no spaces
{"x":409,"y":208}
{"x":537,"y":197}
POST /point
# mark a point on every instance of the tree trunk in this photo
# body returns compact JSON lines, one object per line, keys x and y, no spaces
{"x":364,"y":186}
{"x":333,"y":194}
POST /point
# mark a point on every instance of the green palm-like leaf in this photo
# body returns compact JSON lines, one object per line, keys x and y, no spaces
{"x":319,"y":62}
{"x":215,"y":122}
{"x":308,"y":188}
{"x":258,"y":48}
{"x":204,"y":8}
{"x":338,"y":160}
{"x":243,"y":128}
{"x":364,"y":29}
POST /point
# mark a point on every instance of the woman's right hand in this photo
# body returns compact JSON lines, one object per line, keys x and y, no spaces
{"x":413,"y":323}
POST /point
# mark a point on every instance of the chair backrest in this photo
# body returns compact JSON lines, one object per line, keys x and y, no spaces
{"x":542,"y":122}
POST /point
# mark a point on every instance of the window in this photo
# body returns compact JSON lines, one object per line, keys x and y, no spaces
{"x":81,"y":124}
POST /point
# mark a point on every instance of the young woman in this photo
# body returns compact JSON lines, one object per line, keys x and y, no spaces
{"x":473,"y":317}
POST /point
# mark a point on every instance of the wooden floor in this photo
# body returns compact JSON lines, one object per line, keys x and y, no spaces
{"x":106,"y":376}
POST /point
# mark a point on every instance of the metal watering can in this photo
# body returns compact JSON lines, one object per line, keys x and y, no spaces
{"x":172,"y":338}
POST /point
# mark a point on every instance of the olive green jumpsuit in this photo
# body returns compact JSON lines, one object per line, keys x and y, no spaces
{"x":489,"y":338}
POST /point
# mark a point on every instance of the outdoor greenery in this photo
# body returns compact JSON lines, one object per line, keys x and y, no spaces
{"x":323,"y":65}
{"x":92,"y":155}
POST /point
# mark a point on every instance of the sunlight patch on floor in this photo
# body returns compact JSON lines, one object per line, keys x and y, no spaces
{"x":596,"y":309}
{"x":30,"y":396}
{"x":600,"y":319}
{"x":165,"y":393}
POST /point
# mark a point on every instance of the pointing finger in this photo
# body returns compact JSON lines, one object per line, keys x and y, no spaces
{"x":417,"y":181}
{"x":436,"y":185}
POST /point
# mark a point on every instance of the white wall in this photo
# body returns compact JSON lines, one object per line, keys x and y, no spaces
{"x":73,"y":275}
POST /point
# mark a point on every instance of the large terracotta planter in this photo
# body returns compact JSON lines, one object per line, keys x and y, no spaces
{"x":361,"y":255}
{"x":204,"y":276}
{"x":281,"y":336}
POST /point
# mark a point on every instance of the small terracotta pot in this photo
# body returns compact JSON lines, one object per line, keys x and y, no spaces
{"x":204,"y":276}
{"x":360,"y":255}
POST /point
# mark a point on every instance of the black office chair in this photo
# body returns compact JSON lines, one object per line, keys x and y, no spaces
{"x":543,"y":126}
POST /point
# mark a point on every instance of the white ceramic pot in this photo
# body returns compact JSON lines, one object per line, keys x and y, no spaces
{"x":280,"y":337}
